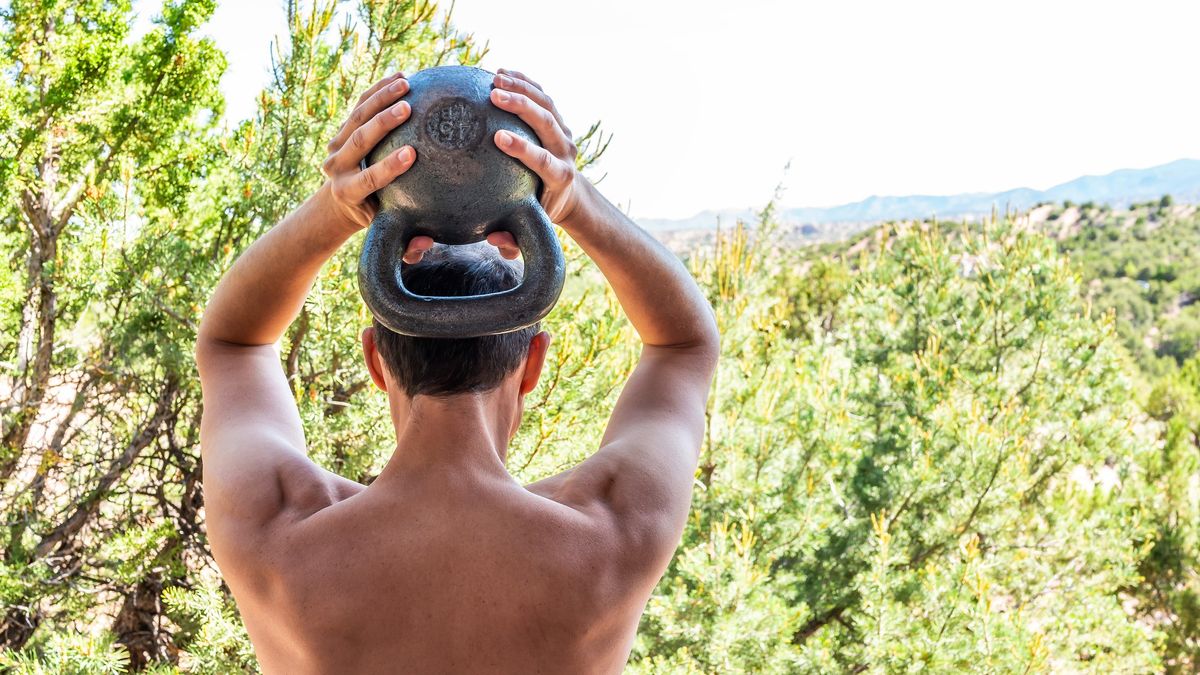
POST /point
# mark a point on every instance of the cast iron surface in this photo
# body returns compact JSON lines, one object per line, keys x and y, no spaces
{"x":460,"y":189}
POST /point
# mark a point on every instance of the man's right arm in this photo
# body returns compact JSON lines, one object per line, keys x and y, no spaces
{"x":643,"y":474}
{"x":645,"y":468}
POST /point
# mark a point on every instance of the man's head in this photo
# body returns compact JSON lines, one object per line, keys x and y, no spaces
{"x":448,"y":367}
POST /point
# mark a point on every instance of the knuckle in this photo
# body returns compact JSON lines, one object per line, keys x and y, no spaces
{"x":370,"y":181}
{"x":378,"y":124}
{"x":572,"y":150}
{"x":356,"y":140}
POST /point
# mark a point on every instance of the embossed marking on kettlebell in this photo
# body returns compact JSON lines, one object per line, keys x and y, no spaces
{"x":454,"y":125}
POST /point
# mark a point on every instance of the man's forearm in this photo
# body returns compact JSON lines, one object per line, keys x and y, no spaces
{"x":659,"y":296}
{"x":261,"y":294}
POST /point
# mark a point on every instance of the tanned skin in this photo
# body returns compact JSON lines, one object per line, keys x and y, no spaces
{"x":445,"y":563}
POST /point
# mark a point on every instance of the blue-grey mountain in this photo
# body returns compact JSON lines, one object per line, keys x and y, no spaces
{"x":1180,"y":179}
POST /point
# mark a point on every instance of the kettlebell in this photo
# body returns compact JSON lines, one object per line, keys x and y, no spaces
{"x":460,"y":189}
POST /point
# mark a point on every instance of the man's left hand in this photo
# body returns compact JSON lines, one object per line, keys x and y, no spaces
{"x":376,"y":114}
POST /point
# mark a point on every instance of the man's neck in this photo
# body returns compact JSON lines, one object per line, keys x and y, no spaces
{"x":464,"y":432}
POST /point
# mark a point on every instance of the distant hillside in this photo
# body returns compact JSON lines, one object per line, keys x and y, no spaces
{"x":1180,"y":179}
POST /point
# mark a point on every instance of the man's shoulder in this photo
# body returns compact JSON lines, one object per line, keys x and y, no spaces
{"x":626,"y":505}
{"x":599,"y":548}
{"x":303,"y":488}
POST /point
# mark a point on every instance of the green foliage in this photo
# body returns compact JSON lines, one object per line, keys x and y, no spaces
{"x":1170,"y":589}
{"x":1148,"y":277}
{"x":212,"y":638}
{"x":1158,"y":319}
{"x":1181,"y":336}
{"x":906,"y":490}
{"x":70,"y":654}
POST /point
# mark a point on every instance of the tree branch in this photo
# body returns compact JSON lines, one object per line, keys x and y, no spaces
{"x":87,"y":506}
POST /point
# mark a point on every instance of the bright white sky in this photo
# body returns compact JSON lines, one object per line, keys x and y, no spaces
{"x":708,"y":101}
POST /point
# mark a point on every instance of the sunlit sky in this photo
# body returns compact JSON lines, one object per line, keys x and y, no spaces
{"x":709,"y":101}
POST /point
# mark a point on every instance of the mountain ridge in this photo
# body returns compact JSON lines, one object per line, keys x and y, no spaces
{"x":1180,"y":179}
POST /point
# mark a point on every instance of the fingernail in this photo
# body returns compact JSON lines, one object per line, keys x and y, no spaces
{"x":501,"y":96}
{"x":400,"y":109}
{"x":504,"y":139}
{"x":405,"y":154}
{"x":506,"y":81}
{"x":397,"y":85}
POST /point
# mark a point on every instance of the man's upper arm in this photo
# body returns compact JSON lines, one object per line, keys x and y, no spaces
{"x":255,"y":463}
{"x":644,"y":471}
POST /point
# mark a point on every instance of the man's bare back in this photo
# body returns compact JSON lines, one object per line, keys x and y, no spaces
{"x":480,"y":576}
{"x":445,"y":563}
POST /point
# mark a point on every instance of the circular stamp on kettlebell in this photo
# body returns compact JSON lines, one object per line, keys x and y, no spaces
{"x":454,"y":125}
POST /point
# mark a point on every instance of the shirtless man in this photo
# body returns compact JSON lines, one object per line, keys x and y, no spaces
{"x":445,"y":563}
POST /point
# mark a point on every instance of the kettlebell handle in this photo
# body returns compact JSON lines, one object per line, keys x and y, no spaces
{"x":401,"y":311}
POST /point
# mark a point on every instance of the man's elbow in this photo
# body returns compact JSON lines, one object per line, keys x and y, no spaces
{"x":709,"y":339}
{"x":703,"y":348}
{"x":210,"y":346}
{"x":203,"y":352}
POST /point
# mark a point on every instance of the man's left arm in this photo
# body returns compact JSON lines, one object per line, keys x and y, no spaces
{"x":256,"y":465}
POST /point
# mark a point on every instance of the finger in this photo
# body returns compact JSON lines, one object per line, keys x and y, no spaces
{"x":502,"y":239}
{"x":552,"y":170}
{"x":367,"y":109}
{"x":379,"y":85}
{"x":536,"y":95}
{"x":417,"y":246}
{"x":506,"y":243}
{"x":520,"y":75}
{"x":549,"y":133}
{"x":365,"y":138}
{"x":522,"y":78}
{"x":380,"y":174}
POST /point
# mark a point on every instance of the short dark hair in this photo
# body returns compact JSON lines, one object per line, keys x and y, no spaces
{"x":448,"y":366}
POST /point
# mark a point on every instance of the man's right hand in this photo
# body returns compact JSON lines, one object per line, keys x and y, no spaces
{"x":554,"y":162}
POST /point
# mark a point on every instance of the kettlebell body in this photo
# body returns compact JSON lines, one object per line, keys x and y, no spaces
{"x":460,"y":189}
